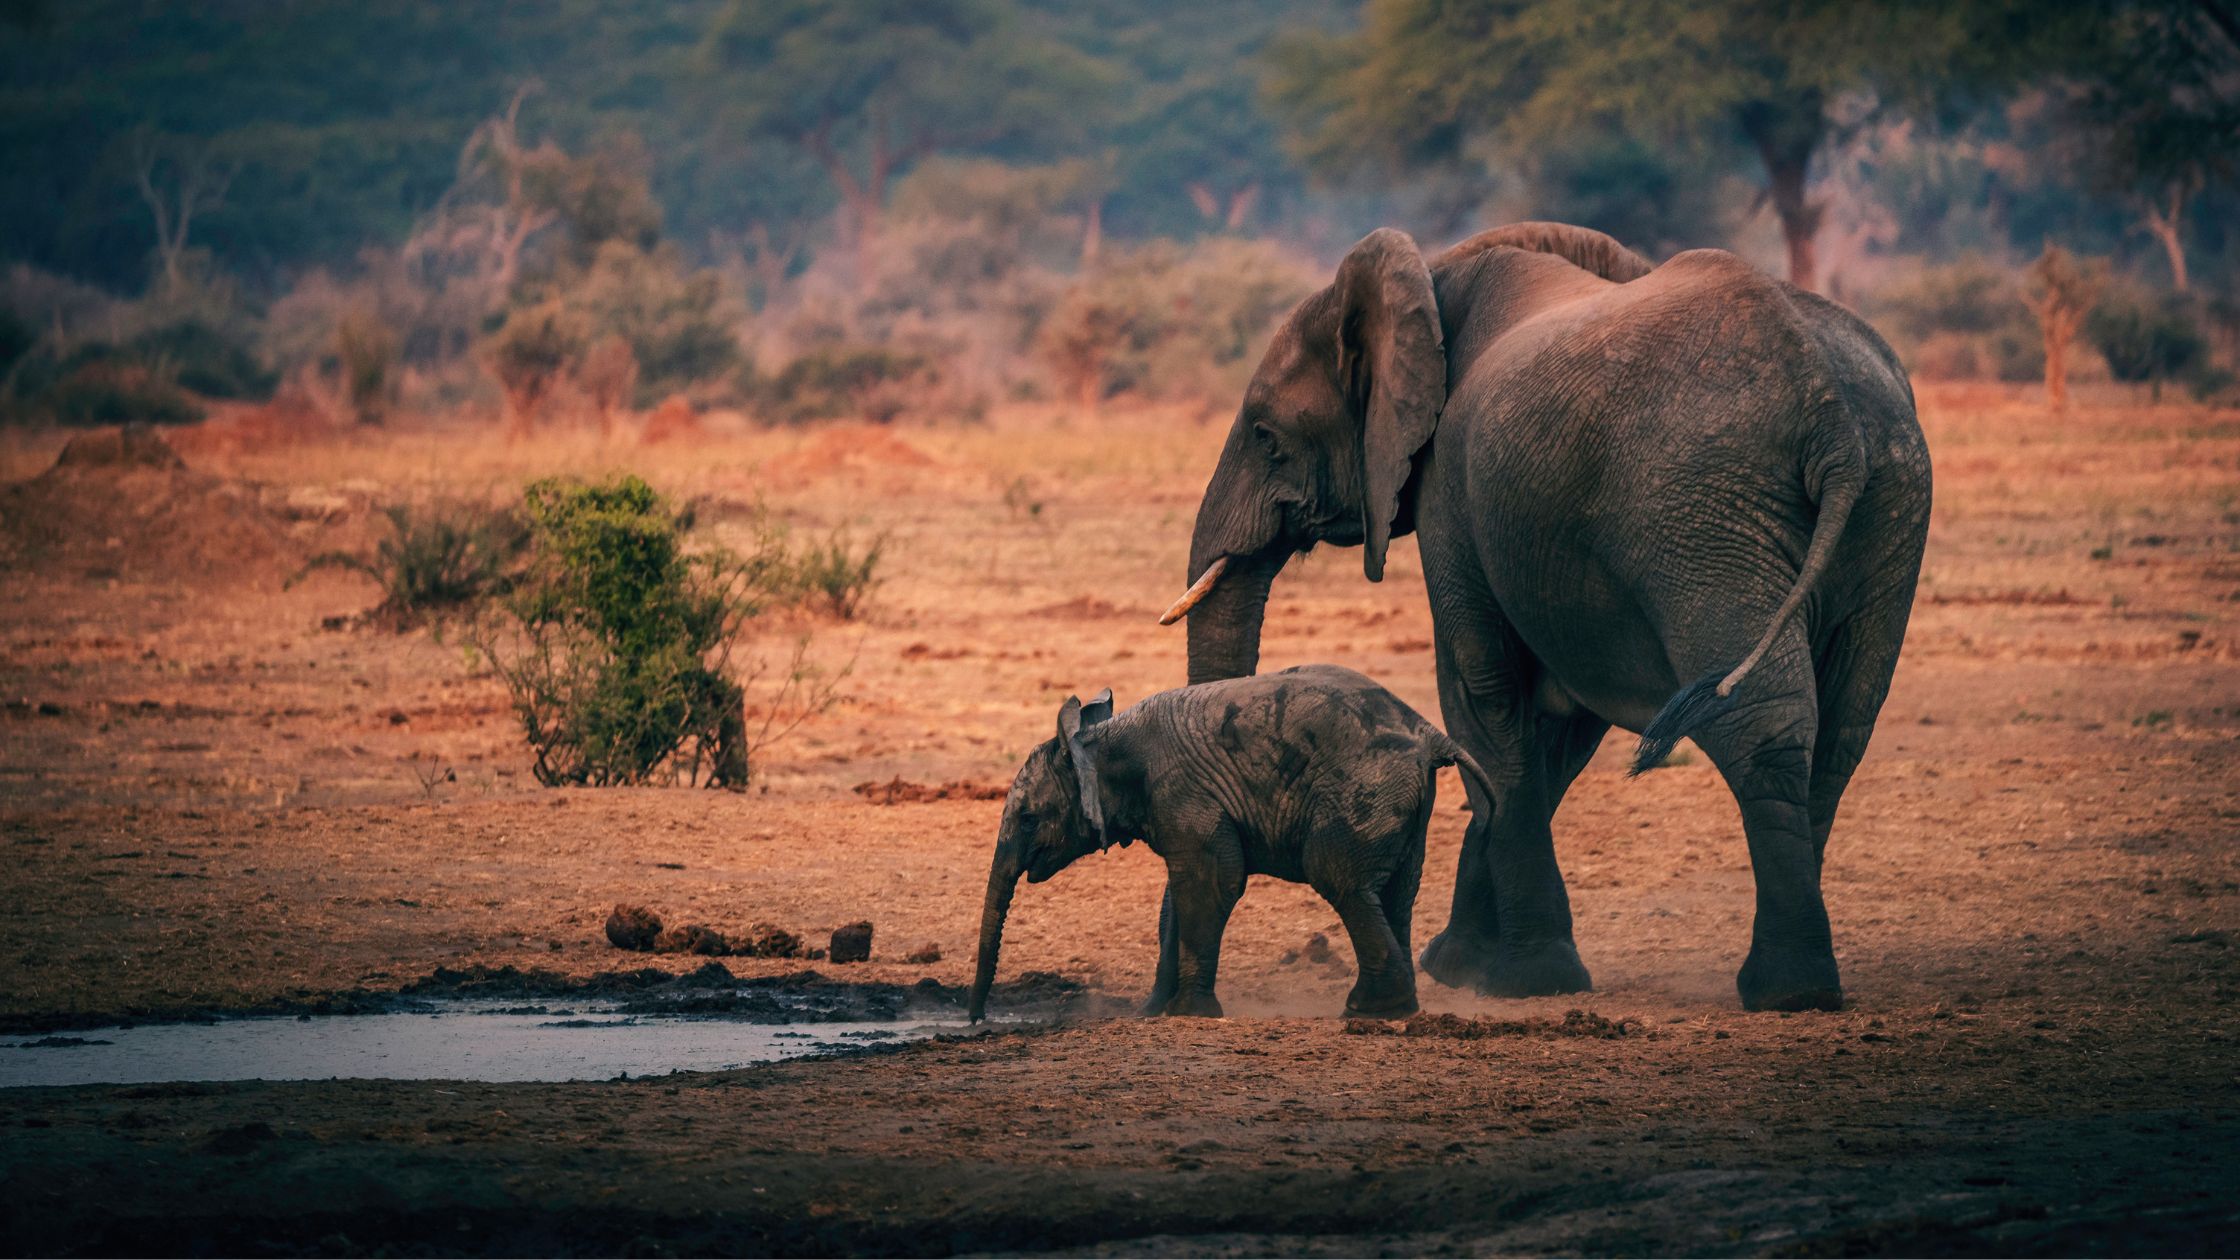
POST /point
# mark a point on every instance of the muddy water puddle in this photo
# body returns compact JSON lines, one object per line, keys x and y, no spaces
{"x":461,"y":1041}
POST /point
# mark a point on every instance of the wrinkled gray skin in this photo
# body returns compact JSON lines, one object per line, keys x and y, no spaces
{"x":1315,"y":775}
{"x":1626,"y":482}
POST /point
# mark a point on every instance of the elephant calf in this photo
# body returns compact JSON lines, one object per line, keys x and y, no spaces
{"x":1315,"y":775}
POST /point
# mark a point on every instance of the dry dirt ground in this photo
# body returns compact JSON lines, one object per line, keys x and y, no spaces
{"x":208,"y":801}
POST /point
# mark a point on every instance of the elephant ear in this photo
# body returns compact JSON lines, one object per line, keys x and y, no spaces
{"x":1392,"y":360}
{"x":1076,"y":722}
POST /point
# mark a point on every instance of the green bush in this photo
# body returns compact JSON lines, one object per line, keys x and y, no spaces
{"x":671,"y":318}
{"x":2147,"y":337}
{"x":1167,"y":322}
{"x":204,"y":359}
{"x":17,"y":337}
{"x":438,"y":561}
{"x":112,"y":391}
{"x":846,"y":381}
{"x":367,"y":353}
{"x":616,"y":644}
{"x":1961,"y":320}
{"x":831,"y":575}
{"x":530,"y":352}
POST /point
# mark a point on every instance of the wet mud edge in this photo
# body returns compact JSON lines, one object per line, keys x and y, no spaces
{"x":709,"y":991}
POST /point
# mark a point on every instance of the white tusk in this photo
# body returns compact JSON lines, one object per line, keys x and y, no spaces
{"x":1198,"y":590}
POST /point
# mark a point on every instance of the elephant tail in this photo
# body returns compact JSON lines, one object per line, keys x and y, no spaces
{"x":1841,"y":474}
{"x":1448,"y":753}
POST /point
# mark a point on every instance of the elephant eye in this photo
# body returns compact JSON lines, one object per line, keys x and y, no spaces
{"x":1266,"y":437}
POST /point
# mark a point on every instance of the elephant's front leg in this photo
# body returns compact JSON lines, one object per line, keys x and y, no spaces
{"x":1510,"y":930}
{"x":1203,"y":884}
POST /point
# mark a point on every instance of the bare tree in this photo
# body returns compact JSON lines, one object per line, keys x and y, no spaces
{"x":495,"y":148}
{"x":2060,"y":292}
{"x":2164,"y":220}
{"x":179,"y":178}
{"x":485,"y":221}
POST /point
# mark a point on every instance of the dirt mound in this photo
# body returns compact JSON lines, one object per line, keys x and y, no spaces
{"x":900,"y":791}
{"x":852,"y":942}
{"x":639,"y":929}
{"x":120,"y":503}
{"x":292,"y":417}
{"x":1083,"y":608}
{"x":1575,"y":1023}
{"x":633,"y":927}
{"x":133,"y":446}
{"x":846,"y":448}
{"x":674,"y":420}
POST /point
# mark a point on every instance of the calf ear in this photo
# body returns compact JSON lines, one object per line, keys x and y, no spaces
{"x":1076,"y":734}
{"x":1097,"y":709}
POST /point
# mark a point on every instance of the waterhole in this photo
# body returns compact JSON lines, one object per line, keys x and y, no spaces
{"x":461,"y":1041}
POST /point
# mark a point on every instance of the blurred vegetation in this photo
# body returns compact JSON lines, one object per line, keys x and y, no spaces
{"x":440,"y":560}
{"x":854,"y":209}
{"x":2149,"y":338}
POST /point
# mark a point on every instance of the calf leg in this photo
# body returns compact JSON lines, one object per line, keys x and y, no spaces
{"x":1162,"y":985}
{"x":1385,"y":987}
{"x":1203,"y":885}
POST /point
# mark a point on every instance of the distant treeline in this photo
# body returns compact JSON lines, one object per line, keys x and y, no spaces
{"x":282,"y":136}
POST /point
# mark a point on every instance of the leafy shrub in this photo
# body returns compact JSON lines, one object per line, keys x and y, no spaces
{"x":616,"y":655}
{"x":670,"y":318}
{"x":437,"y":561}
{"x":1165,"y":322}
{"x":17,"y":336}
{"x":2145,"y":337}
{"x":530,"y":353}
{"x":830,"y":574}
{"x":1961,"y":320}
{"x":204,"y":360}
{"x":367,"y":354}
{"x":113,"y":391}
{"x":845,"y":380}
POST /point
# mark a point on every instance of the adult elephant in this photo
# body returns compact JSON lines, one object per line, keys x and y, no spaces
{"x":1687,"y":500}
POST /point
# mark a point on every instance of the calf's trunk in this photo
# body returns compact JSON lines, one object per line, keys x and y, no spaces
{"x":1003,"y":880}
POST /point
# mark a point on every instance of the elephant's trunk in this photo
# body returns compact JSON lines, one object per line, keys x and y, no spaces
{"x":1003,"y":880}
{"x":1237,"y":524}
{"x":1225,"y":626}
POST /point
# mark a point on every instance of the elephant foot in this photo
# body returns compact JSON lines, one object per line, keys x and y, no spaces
{"x":1391,"y":1004}
{"x":1499,"y":970}
{"x":1777,"y":979}
{"x":1389,"y":1001}
{"x":1537,"y":970}
{"x":1155,"y":1005}
{"x":1201,"y":1005}
{"x":1456,"y":960}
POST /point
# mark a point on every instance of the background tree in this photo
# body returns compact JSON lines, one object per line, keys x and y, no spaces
{"x":2155,"y":100}
{"x":2060,"y":291}
{"x":868,"y":88}
{"x":178,"y":178}
{"x":1434,"y":82}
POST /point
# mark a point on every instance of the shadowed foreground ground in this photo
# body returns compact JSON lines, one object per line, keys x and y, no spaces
{"x":209,"y":803}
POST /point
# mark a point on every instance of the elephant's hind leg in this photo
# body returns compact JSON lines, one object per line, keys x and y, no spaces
{"x":1854,"y":678}
{"x":1764,"y":749}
